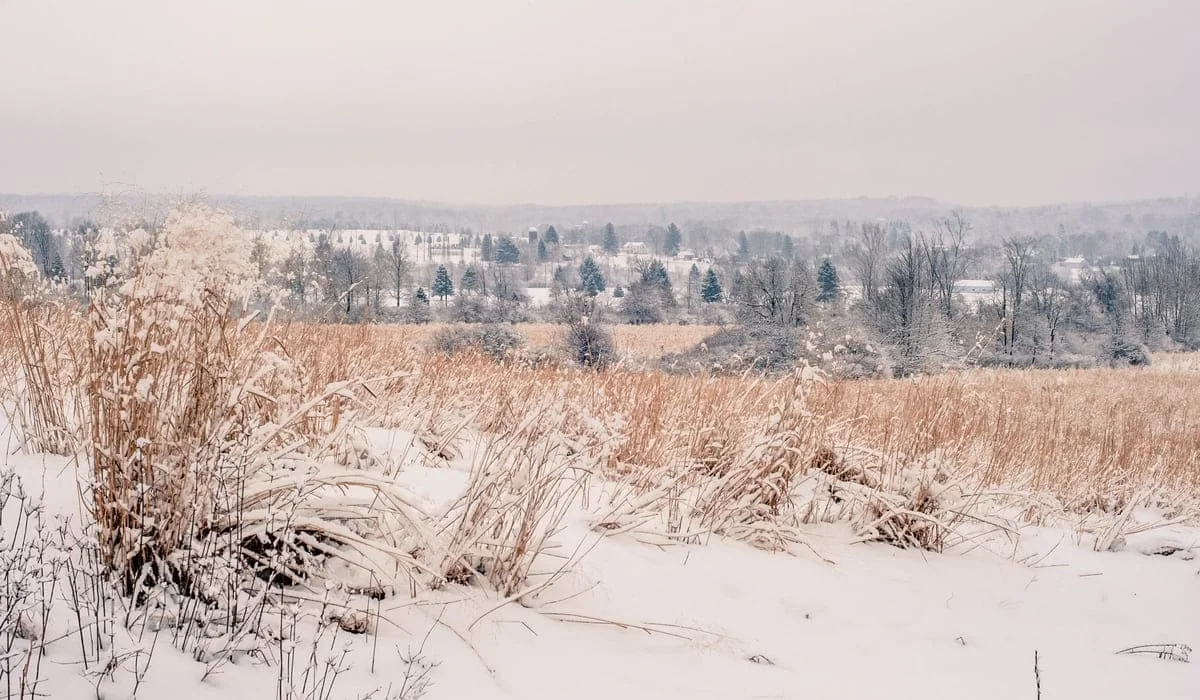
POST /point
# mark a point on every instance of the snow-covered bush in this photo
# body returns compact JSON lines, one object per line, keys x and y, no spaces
{"x":213,"y":458}
{"x":589,"y":343}
{"x":495,"y":341}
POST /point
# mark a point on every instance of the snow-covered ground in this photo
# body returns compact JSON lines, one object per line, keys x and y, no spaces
{"x":720,"y":619}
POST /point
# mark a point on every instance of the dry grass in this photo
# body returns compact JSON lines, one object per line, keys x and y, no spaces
{"x":638,"y":342}
{"x":1093,"y":439}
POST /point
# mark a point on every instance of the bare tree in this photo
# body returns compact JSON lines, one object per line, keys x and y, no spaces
{"x":867,"y":256}
{"x":396,"y":262}
{"x":1050,"y":301}
{"x":1018,"y":256}
{"x":772,"y":291}
{"x":945,"y":256}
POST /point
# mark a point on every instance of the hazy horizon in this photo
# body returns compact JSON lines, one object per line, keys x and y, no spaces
{"x":576,"y":103}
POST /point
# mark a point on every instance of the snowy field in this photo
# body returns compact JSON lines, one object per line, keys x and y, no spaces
{"x":715,"y":619}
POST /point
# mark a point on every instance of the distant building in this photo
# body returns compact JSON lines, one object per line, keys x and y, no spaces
{"x":635,"y":248}
{"x":974,"y":287}
{"x":1071,"y":269}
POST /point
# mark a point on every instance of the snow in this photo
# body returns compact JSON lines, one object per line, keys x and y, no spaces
{"x":720,"y":619}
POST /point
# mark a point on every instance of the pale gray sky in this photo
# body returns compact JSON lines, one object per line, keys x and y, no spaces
{"x":582,"y":101}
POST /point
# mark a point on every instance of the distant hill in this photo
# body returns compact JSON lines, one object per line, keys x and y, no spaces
{"x":1175,"y":215}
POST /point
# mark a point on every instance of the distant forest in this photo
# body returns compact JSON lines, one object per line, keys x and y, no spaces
{"x":1115,"y":227}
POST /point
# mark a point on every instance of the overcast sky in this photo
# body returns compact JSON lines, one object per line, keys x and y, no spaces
{"x":586,"y":101}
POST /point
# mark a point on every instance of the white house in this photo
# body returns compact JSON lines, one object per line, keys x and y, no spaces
{"x":974,"y":287}
{"x":635,"y":248}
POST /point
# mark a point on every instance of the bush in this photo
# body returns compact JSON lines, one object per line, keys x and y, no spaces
{"x":761,"y":347}
{"x":1124,"y":352}
{"x":495,"y":341}
{"x":590,"y":344}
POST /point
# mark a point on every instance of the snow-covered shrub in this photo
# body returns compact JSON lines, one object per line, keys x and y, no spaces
{"x":754,"y":499}
{"x":213,"y":458}
{"x":589,"y":343}
{"x":520,"y":489}
{"x":495,"y":341}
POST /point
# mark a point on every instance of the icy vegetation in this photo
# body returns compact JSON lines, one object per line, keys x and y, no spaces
{"x":198,"y":502}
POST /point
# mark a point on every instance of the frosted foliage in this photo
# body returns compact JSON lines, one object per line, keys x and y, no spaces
{"x":14,"y":258}
{"x":200,"y":250}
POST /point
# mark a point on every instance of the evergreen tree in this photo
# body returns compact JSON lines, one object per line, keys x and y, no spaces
{"x":711,"y":290}
{"x":560,"y":275}
{"x":827,"y":279}
{"x":591,"y":281}
{"x":418,"y":308}
{"x":442,"y":286}
{"x":693,"y":284}
{"x":551,"y":236}
{"x":57,"y":271}
{"x":611,"y":245}
{"x":542,"y":255}
{"x":485,"y":248}
{"x":507,"y":251}
{"x":655,"y":276}
{"x":673,"y":241}
{"x":743,"y":245}
{"x":788,"y":247}
{"x":533,"y":236}
{"x":469,"y":281}
{"x":558,"y":281}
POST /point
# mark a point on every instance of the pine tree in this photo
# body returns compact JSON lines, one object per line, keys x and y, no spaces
{"x":827,"y":279}
{"x":57,"y":271}
{"x":507,"y":251}
{"x":533,"y":236}
{"x":551,"y":236}
{"x":442,"y":286}
{"x":469,"y":281}
{"x":418,"y":308}
{"x":591,"y":281}
{"x":611,"y":245}
{"x":673,"y":241}
{"x":542,"y":254}
{"x":485,"y":248}
{"x":789,"y":247}
{"x":711,"y":291}
{"x":693,"y":284}
{"x":655,"y":275}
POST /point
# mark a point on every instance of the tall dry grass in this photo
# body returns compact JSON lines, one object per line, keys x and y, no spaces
{"x":1093,"y":438}
{"x":1090,"y":440}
